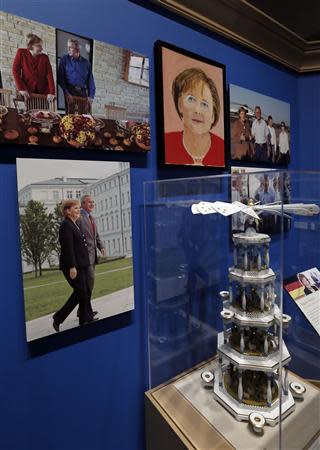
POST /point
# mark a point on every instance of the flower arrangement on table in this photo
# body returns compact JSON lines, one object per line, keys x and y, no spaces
{"x":78,"y":130}
{"x":140,"y":134}
{"x":3,"y":112}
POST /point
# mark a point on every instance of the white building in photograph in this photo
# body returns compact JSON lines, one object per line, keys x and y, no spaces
{"x":53,"y":191}
{"x":113,"y":212}
{"x":113,"y":204}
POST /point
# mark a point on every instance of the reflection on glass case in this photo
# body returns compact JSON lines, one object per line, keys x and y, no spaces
{"x":222,"y":330}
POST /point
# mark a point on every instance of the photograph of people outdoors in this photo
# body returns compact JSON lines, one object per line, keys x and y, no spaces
{"x":263,"y":188}
{"x":64,"y":90}
{"x":76,"y":242}
{"x":260,"y":127}
{"x":191,"y":96}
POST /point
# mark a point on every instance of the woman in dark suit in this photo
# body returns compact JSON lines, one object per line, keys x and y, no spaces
{"x":74,"y":263}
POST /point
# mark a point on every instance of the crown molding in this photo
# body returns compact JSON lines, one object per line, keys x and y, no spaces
{"x":245,"y":24}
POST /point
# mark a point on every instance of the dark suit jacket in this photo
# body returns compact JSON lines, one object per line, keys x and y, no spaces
{"x":33,"y":74}
{"x":309,"y":291}
{"x":93,"y":239}
{"x":74,"y":248}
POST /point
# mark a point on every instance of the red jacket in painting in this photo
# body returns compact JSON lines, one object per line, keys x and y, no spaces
{"x":33,"y":73}
{"x":175,"y":152}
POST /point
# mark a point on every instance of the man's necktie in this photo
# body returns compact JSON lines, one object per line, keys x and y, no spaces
{"x":92,"y":224}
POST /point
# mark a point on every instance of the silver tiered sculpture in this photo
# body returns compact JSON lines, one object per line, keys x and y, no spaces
{"x":250,"y":348}
{"x":246,"y":382}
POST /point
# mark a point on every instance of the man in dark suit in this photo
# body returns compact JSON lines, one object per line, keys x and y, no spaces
{"x":88,"y":227}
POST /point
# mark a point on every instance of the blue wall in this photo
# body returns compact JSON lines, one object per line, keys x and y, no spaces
{"x":309,"y":119}
{"x":89,"y":395}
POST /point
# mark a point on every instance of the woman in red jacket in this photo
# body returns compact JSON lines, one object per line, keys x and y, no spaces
{"x":32,"y":70}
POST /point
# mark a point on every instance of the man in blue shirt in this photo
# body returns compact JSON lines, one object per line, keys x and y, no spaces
{"x":265,"y":193}
{"x":75,"y":74}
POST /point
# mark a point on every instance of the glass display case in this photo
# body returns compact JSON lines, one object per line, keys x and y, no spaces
{"x":233,"y":295}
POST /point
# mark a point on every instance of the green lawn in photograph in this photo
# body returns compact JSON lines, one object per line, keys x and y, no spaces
{"x":46,"y":294}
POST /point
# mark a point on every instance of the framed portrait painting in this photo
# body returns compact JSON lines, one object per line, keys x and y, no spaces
{"x":191,"y":108}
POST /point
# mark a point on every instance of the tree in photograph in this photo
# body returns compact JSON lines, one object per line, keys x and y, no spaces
{"x":37,"y":235}
{"x":57,"y":219}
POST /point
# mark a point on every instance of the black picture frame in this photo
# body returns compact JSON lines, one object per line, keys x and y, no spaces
{"x":160,"y":113}
{"x":88,"y":55}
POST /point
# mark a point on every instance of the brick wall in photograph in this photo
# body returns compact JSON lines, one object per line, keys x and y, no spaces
{"x":108,"y":69}
{"x":108,"y":65}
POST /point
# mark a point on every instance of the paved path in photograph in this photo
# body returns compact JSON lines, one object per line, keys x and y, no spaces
{"x":108,"y":305}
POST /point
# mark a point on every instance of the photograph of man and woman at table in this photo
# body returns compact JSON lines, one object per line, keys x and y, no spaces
{"x":62,"y":89}
{"x":76,"y":243}
{"x":260,"y":127}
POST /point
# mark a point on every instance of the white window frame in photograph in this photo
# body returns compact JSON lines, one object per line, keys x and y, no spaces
{"x":131,"y":62}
